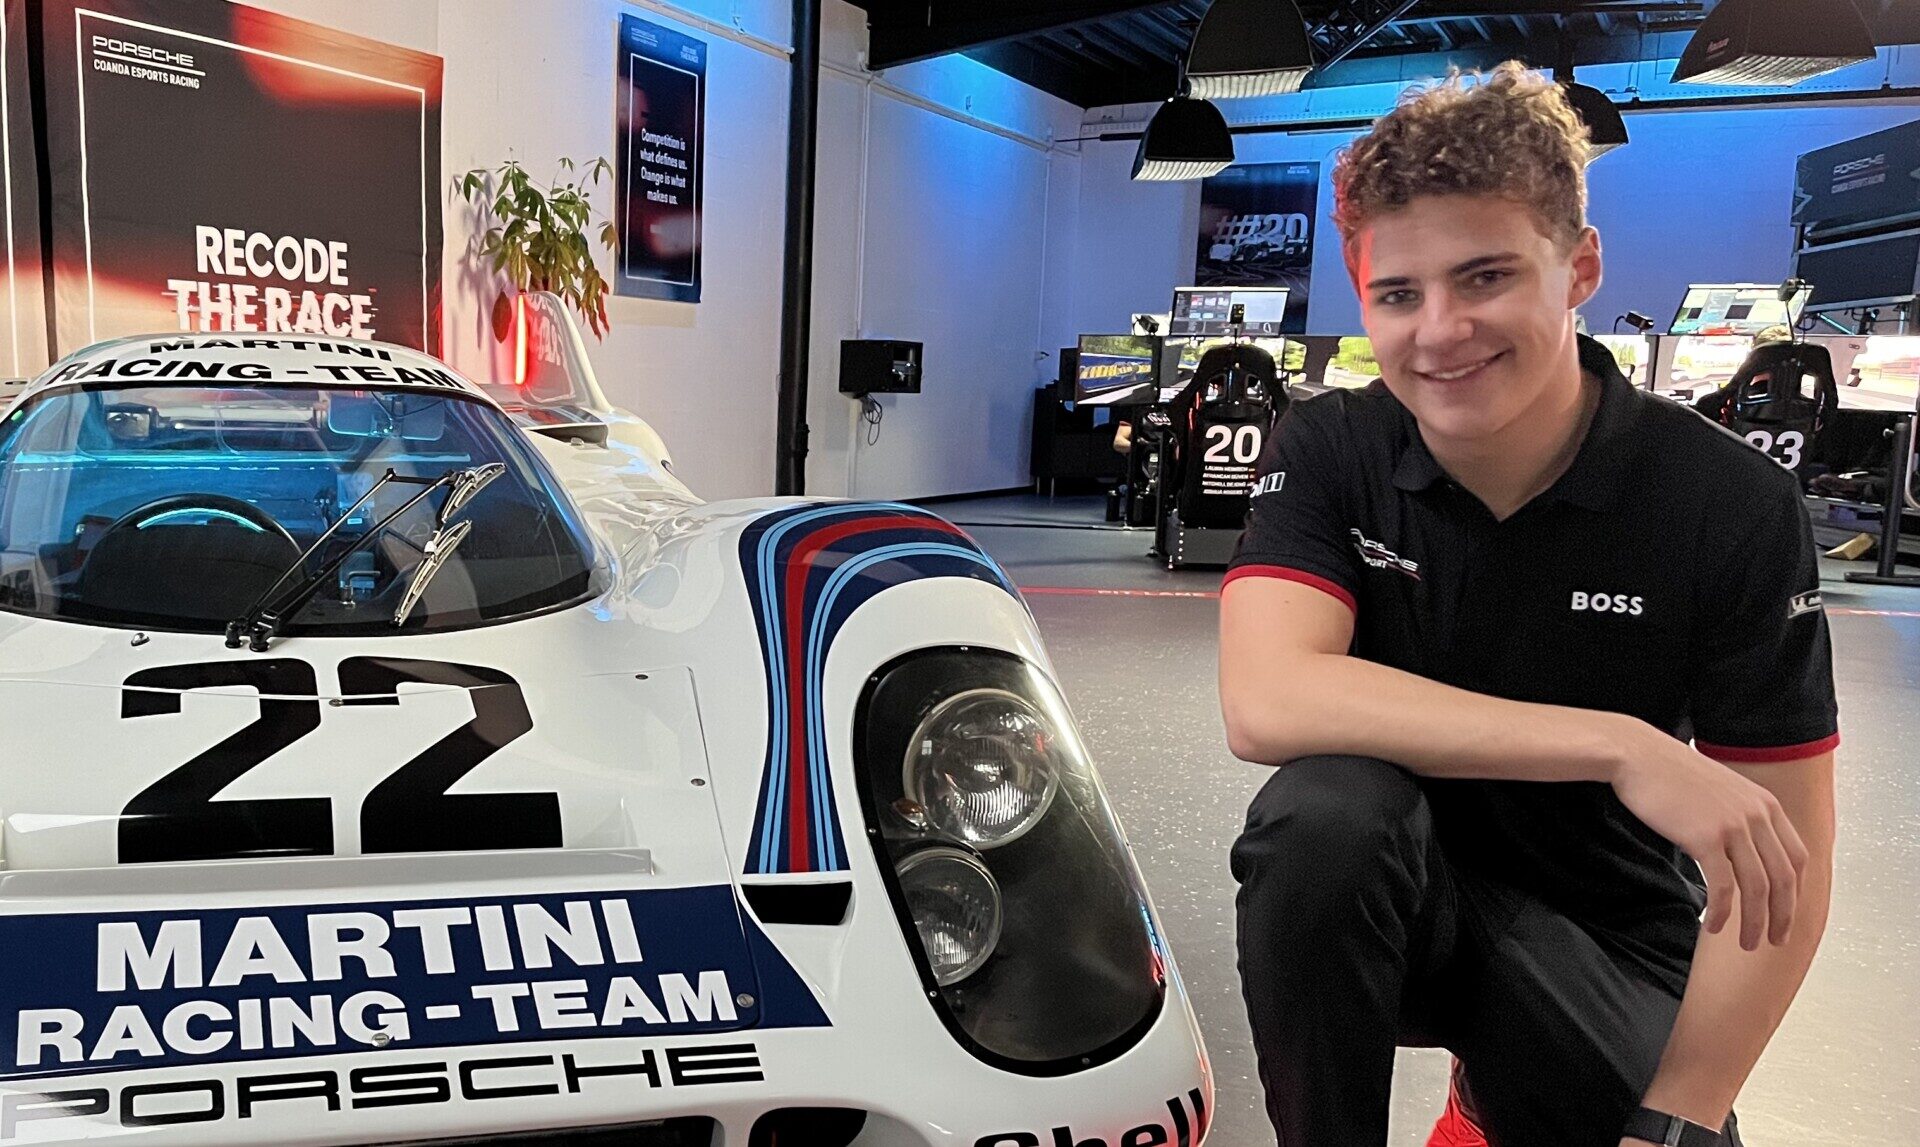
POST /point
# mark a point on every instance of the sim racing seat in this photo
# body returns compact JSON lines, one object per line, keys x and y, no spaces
{"x":1220,"y":424}
{"x":1765,"y":402}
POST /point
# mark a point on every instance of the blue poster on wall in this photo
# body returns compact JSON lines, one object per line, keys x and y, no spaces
{"x":1256,"y":230}
{"x":661,"y":98}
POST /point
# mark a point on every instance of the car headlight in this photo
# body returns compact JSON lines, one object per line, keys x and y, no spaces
{"x":981,"y":765}
{"x":1006,"y":869}
{"x":955,"y":905}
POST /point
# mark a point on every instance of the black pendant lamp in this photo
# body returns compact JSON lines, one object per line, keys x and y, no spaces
{"x":1773,"y":43}
{"x":1605,"y":129}
{"x":1187,"y":138}
{"x":1249,"y":48}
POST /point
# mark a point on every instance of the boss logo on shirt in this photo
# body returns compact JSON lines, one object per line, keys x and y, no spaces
{"x":1608,"y":603}
{"x":1804,"y":603}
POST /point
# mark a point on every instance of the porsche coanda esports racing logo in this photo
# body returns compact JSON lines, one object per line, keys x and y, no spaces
{"x":163,"y":989}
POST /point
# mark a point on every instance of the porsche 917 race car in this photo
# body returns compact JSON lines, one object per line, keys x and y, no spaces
{"x":389,"y":759}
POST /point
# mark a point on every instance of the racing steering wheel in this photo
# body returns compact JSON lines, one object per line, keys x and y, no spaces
{"x":181,"y":507}
{"x":210,"y":573}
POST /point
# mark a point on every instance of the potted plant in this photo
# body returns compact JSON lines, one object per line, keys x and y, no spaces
{"x":538,"y":238}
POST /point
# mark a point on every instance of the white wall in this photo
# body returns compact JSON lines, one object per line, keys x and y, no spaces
{"x":938,"y":220}
{"x":934,"y":222}
{"x":1131,"y":242}
{"x":535,"y":81}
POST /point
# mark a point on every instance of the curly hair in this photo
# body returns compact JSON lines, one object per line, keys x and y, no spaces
{"x":1511,"y":134}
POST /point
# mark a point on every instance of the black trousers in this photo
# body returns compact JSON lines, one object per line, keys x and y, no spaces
{"x":1357,"y":936}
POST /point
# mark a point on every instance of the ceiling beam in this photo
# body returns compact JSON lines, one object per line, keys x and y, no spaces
{"x":1352,"y":23}
{"x":1490,"y":8}
{"x":902,"y":33}
{"x":1115,"y":43}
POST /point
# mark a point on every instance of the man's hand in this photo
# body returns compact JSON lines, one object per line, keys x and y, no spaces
{"x":1734,"y":829}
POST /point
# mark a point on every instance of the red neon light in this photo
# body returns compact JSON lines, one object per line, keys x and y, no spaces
{"x":520,"y":340}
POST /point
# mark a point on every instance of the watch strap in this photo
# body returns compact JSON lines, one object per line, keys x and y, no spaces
{"x":1670,"y":1130}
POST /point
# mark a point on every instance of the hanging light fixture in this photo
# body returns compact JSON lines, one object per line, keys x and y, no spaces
{"x":1773,"y":43}
{"x":1249,"y":48}
{"x":1605,"y":129}
{"x":1186,"y":139}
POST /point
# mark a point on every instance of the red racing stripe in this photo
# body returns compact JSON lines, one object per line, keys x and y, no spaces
{"x":799,"y":567}
{"x":1768,"y":755}
{"x":1287,"y":573}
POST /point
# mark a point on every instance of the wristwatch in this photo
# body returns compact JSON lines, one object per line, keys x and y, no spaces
{"x":1669,"y":1130}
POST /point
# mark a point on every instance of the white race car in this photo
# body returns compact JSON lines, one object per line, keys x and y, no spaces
{"x":386,"y":764}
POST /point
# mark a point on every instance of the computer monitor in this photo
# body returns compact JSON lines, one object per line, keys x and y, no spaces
{"x":1353,"y":365}
{"x":1207,"y":312}
{"x":1630,"y":354}
{"x":1735,"y":309}
{"x":1115,"y":370}
{"x":1883,"y":374}
{"x":1183,"y":358}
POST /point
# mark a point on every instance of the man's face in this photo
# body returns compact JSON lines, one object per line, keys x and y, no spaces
{"x":1469,"y":307}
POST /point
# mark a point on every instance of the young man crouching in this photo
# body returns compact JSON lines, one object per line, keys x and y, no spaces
{"x":1532,"y":651}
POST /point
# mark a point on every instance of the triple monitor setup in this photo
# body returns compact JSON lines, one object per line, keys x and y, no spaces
{"x":1152,"y":369}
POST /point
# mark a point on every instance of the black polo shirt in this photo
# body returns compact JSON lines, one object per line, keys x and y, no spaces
{"x":1669,"y":574}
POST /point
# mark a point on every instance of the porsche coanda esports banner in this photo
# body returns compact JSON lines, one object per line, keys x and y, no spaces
{"x":23,"y":333}
{"x":1256,"y":230}
{"x":660,"y":113}
{"x":219,"y":168}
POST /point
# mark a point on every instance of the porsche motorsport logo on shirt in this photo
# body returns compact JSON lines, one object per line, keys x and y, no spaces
{"x":1382,"y":558}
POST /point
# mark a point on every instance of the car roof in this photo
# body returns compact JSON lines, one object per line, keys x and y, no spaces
{"x":241,"y":358}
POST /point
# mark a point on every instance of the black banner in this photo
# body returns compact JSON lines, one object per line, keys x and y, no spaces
{"x":1860,"y":181}
{"x":219,"y":168}
{"x":1256,"y":230}
{"x":661,"y":97}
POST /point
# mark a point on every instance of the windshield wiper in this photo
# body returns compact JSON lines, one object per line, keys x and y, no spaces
{"x":257,"y":626}
{"x":446,"y":538}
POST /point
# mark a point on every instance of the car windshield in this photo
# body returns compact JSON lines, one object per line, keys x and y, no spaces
{"x":172,"y":507}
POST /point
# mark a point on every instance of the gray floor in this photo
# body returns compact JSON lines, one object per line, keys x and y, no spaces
{"x":1139,"y":667}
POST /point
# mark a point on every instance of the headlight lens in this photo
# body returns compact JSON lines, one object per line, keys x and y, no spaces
{"x":982,"y":764}
{"x":1036,"y":944}
{"x":955,"y":904}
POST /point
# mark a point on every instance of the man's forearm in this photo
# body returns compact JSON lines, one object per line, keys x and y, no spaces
{"x":1736,"y":998}
{"x":1347,"y":705}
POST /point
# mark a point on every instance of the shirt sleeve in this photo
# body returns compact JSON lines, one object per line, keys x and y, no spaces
{"x":1763,"y":668}
{"x":1297,"y":528}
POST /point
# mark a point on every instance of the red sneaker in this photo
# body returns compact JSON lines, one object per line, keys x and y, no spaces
{"x":1454,"y":1129}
